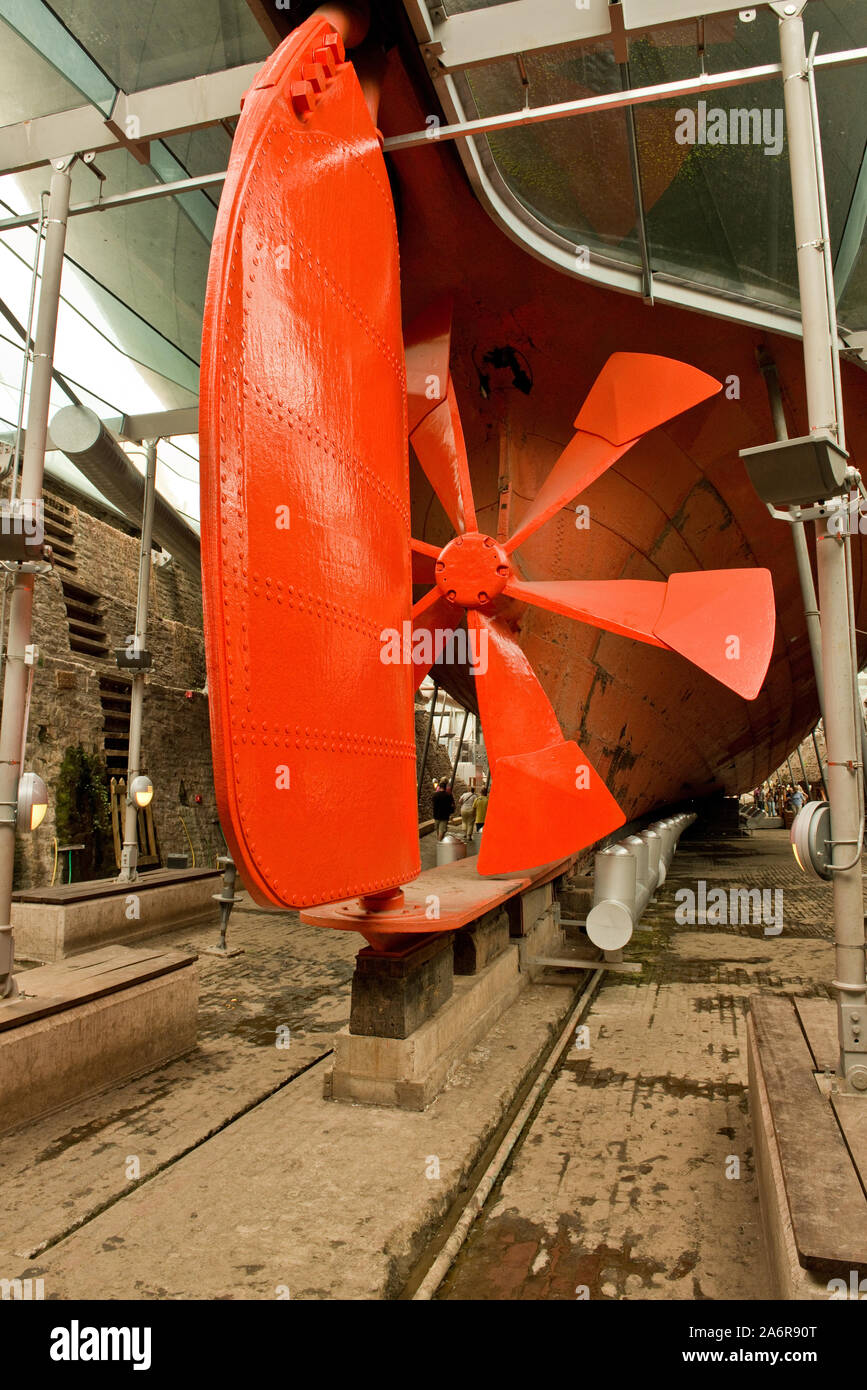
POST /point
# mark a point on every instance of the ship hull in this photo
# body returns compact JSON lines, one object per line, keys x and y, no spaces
{"x":656,"y":728}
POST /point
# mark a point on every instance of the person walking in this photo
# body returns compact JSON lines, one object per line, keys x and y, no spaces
{"x":443,"y":806}
{"x":468,"y":814}
{"x":481,"y":809}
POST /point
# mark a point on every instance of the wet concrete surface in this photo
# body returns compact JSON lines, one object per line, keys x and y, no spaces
{"x":227,"y":1175}
{"x":635,"y":1179}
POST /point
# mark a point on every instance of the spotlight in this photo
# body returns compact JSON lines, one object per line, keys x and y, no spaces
{"x":142,"y":790}
{"x":32,"y":801}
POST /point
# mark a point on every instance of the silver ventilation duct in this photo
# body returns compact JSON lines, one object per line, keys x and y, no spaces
{"x":80,"y":434}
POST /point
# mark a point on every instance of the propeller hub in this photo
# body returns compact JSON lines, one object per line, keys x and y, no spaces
{"x":472,"y":570}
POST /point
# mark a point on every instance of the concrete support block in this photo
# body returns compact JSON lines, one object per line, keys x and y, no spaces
{"x":535,"y":903}
{"x":478,"y":945}
{"x":393,"y":994}
{"x":576,"y":896}
{"x":409,"y":1072}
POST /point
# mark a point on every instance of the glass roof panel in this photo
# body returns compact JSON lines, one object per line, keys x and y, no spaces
{"x":716,"y":192}
{"x":147,"y":262}
{"x":30,"y":87}
{"x":146,"y":45}
{"x":572,"y":174}
{"x":852,"y":308}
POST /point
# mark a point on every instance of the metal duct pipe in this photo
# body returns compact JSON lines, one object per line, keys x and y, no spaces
{"x":654,"y":848}
{"x":611,"y":919}
{"x":643,"y":888}
{"x":81,"y":436}
{"x":625,"y":877}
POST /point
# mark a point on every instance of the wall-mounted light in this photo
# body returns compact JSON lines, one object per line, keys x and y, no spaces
{"x":797,"y":472}
{"x":142,"y":790}
{"x":32,"y":801}
{"x":811,"y":838}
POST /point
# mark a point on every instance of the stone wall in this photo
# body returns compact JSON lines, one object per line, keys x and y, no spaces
{"x":67,"y":706}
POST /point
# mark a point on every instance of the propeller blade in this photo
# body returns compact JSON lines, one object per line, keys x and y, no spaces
{"x":547,"y":801}
{"x":515,"y":711}
{"x":434,"y":620}
{"x":626,"y":606}
{"x":544,"y":806}
{"x":634,"y":393}
{"x":432,"y":412}
{"x":584,"y":459}
{"x":722,"y":621}
{"x":637,"y":391}
{"x":427,"y":344}
{"x":440,"y":449}
{"x":424,"y":558}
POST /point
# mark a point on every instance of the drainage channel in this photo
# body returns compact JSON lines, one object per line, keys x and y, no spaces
{"x":445,"y":1248}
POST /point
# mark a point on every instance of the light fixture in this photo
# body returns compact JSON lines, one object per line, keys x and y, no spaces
{"x":141,"y":790}
{"x":797,"y":472}
{"x":811,"y":838}
{"x":32,"y":801}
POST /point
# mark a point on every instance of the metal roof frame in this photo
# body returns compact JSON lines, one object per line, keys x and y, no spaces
{"x":546,"y":23}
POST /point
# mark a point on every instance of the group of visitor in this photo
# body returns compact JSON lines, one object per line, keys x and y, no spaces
{"x":774,"y":800}
{"x":473,"y":809}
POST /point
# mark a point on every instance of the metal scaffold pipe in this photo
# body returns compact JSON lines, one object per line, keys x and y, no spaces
{"x":430,"y":720}
{"x":129,"y":854}
{"x":841,"y":733}
{"x":13,"y":723}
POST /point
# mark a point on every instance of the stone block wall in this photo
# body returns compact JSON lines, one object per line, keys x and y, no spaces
{"x":66,"y":707}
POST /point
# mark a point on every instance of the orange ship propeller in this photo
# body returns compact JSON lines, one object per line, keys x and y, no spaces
{"x":547,"y":801}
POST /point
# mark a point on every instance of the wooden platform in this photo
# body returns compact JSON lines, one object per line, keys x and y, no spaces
{"x":811,"y":1148}
{"x":79,"y":1027}
{"x":62,"y":893}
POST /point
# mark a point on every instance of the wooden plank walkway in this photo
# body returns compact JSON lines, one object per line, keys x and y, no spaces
{"x":826,"y":1200}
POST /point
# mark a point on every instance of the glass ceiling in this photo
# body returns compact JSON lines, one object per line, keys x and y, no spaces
{"x":133,"y":289}
{"x":718,"y":215}
{"x":130,"y":321}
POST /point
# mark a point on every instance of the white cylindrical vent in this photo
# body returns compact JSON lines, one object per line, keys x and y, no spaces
{"x":638,"y":848}
{"x":610,"y":920}
{"x":614,"y":876}
{"x":654,"y":847}
{"x":609,"y":925}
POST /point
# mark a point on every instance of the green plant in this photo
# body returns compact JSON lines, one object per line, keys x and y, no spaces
{"x":82,"y":812}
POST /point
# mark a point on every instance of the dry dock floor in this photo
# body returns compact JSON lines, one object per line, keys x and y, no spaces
{"x":227,"y":1175}
{"x":635,"y":1179}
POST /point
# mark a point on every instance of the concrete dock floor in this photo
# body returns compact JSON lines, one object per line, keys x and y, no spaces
{"x":227,"y":1175}
{"x":636,"y":1177}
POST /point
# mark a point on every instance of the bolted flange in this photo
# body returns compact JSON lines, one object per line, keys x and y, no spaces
{"x":472,"y":570}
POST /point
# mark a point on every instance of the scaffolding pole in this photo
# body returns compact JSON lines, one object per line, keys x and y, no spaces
{"x":129,"y":854}
{"x":430,"y":720}
{"x":841,"y":734}
{"x":13,"y":730}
